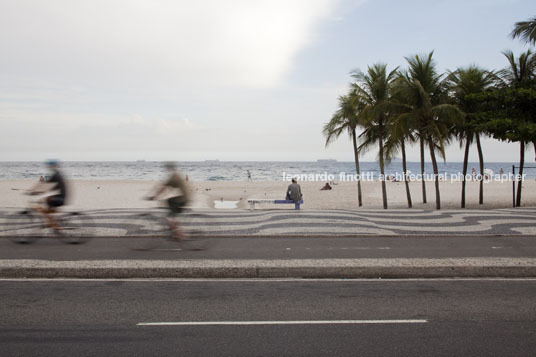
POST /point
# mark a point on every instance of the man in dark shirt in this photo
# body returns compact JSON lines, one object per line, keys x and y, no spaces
{"x":59,"y":198}
{"x":294,"y":191}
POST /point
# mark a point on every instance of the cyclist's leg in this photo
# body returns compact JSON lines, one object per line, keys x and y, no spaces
{"x":175,"y":205}
{"x":52,"y":203}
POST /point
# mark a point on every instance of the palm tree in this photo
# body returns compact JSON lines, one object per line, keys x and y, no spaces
{"x":463,"y":82}
{"x":526,"y":30}
{"x":373,"y":90}
{"x":346,"y":118}
{"x":433,"y":117}
{"x":399,"y":132}
{"x":521,"y":73}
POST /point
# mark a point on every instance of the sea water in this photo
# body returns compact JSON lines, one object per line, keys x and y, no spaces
{"x":234,"y":170}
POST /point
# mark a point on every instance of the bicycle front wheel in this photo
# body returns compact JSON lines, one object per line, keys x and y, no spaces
{"x":75,"y":228}
{"x":149,"y":230}
{"x":24,"y":227}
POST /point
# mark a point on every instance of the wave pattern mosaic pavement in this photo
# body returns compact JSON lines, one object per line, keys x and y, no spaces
{"x":120,"y":222}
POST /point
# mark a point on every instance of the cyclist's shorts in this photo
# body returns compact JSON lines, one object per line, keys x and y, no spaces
{"x":176,"y":204}
{"x":55,"y":201}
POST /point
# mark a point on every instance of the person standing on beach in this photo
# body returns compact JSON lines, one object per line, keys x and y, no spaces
{"x":294,"y":191}
{"x":249,"y":176}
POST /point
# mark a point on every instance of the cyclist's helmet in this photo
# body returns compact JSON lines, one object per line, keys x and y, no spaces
{"x":170,"y":165}
{"x":52,"y":163}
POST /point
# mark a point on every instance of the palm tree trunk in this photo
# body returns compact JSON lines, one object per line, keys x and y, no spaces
{"x":521,"y":164}
{"x":464,"y":170}
{"x":422,"y":171}
{"x":382,"y":167}
{"x":481,"y":160}
{"x":436,"y":172}
{"x":356,"y":157}
{"x":405,"y":170}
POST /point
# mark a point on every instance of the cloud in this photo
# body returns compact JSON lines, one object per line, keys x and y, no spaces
{"x":100,"y":78}
{"x":238,"y":42}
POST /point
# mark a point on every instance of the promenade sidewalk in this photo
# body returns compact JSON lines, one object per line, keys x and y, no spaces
{"x":289,"y":223}
{"x":235,"y":223}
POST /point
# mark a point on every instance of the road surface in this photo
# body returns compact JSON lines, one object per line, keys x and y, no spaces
{"x":268,"y":317}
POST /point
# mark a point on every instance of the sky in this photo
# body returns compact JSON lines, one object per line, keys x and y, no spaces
{"x":227,"y":80}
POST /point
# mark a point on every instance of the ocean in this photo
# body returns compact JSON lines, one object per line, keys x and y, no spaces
{"x":232,"y":170}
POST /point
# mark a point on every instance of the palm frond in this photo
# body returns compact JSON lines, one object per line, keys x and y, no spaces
{"x":526,"y":30}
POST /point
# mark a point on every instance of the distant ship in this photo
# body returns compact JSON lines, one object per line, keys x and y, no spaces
{"x":326,"y":161}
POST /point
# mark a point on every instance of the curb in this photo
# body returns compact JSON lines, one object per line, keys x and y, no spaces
{"x":235,"y":269}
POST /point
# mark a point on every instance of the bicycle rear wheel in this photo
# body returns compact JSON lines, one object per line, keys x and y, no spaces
{"x":24,"y":227}
{"x":76,"y":228}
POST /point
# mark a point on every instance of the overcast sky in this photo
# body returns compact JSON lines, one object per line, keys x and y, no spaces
{"x":210,"y":79}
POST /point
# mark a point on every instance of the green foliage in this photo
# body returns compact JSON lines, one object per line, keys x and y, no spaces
{"x":374,"y":90}
{"x":426,"y":95}
{"x":526,"y":30}
{"x":507,"y":114}
{"x":420,"y":104}
{"x":464,"y":82}
{"x":521,"y":72}
{"x":345,"y":119}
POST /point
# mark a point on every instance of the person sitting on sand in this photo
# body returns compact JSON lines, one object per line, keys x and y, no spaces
{"x":294,"y":192}
{"x":326,"y":187}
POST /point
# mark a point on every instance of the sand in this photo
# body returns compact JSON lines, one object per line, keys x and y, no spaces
{"x":107,"y":194}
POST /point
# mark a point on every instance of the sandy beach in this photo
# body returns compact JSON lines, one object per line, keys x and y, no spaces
{"x":105,"y":194}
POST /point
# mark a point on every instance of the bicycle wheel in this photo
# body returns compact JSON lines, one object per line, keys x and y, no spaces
{"x":76,"y":228}
{"x":193,"y":225}
{"x":148,"y":231}
{"x":24,"y":227}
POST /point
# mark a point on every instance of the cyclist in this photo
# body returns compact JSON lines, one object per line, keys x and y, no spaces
{"x":176,"y":203}
{"x":59,"y":188}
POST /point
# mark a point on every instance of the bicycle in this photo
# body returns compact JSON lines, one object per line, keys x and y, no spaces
{"x":154,"y":227}
{"x":36,"y":222}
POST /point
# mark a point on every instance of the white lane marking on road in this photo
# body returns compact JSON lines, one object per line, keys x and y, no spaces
{"x":361,"y":248}
{"x":305,"y":322}
{"x":365,"y":248}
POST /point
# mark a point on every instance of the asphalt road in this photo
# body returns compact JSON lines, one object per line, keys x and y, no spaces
{"x":278,"y":248}
{"x":269,"y":318}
